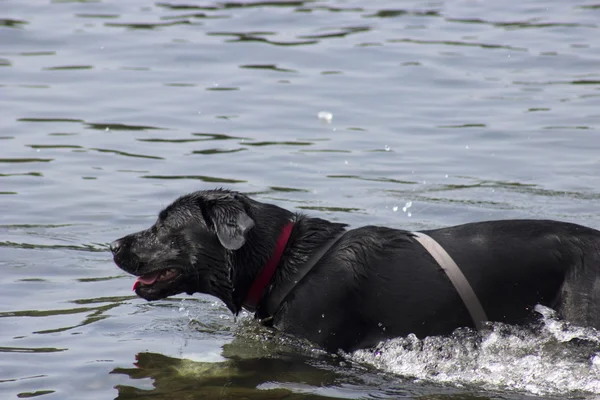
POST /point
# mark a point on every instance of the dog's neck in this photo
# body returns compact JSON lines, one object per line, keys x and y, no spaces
{"x":268,"y":270}
{"x":306,"y":237}
{"x":246,"y":263}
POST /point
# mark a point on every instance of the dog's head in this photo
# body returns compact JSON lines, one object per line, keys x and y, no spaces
{"x":192,"y":246}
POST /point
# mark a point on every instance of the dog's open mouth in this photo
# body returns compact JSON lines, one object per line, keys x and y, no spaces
{"x":159,"y":276}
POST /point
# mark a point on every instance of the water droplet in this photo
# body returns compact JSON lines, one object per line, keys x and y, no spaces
{"x":380,"y":324}
{"x":409,"y":214}
{"x":322,"y":315}
{"x":325,"y":116}
{"x":395,"y":208}
{"x":407,"y":206}
{"x":467,"y":147}
{"x":346,"y":162}
{"x":387,"y":148}
{"x":446,"y":175}
{"x":107,"y":129}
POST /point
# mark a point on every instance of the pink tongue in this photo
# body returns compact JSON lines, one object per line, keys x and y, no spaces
{"x":146,"y":279}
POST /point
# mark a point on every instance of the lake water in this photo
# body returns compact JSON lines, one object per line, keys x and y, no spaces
{"x":442,"y":112}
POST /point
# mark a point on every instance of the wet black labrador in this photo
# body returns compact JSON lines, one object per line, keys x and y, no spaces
{"x":349,"y":289}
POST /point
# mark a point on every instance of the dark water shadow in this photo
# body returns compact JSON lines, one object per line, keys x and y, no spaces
{"x":92,"y":314}
{"x":203,"y":178}
{"x":98,"y":16}
{"x":36,"y":174}
{"x":68,"y":68}
{"x":373,"y":179}
{"x":286,"y":143}
{"x":331,"y":209}
{"x":83,"y":247}
{"x":517,"y":187}
{"x":339,"y":33}
{"x":159,"y":140}
{"x":195,"y":15}
{"x":146,"y":25}
{"x":219,"y":136}
{"x":50,"y":120}
{"x":218,"y":151}
{"x":233,"y":5}
{"x":12,"y":23}
{"x":257,"y":37}
{"x":125,"y":154}
{"x":457,"y":43}
{"x":102,"y":126}
{"x":31,"y":350}
{"x":186,"y":7}
{"x":269,"y":67}
{"x":333,"y":9}
{"x":25,"y":160}
{"x":54,"y":146}
{"x":400,"y":12}
{"x":521,"y":24}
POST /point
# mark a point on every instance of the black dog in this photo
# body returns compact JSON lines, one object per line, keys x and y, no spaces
{"x":350,"y":289}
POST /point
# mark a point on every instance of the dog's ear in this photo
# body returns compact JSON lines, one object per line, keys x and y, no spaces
{"x":230,"y":221}
{"x":233,"y":229}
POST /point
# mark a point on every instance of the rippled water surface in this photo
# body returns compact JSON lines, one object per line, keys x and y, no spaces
{"x":443,"y":112}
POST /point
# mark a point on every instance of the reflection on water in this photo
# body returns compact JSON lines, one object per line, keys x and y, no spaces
{"x":234,"y":378}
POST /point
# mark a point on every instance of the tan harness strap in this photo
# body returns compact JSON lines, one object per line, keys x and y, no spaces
{"x":456,"y":276}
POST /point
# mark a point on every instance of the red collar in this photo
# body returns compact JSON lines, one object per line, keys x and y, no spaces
{"x":265,"y":275}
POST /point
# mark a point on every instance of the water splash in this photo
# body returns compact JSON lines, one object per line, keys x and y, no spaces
{"x":552,"y":358}
{"x":406,"y":207}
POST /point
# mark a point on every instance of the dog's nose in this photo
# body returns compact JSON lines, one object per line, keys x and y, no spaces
{"x":115,"y":246}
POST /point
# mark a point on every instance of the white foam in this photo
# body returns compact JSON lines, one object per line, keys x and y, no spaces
{"x":552,"y":359}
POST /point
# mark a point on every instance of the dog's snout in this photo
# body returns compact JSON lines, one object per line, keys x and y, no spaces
{"x":115,"y":246}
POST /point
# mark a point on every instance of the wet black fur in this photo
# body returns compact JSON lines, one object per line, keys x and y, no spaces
{"x":374,"y":283}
